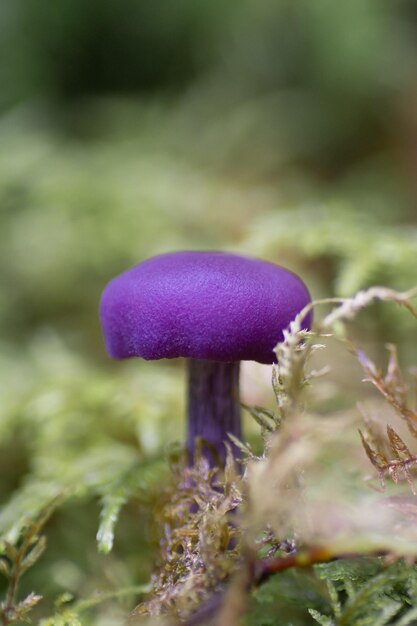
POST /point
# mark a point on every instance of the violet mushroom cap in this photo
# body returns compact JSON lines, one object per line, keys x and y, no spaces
{"x":207,"y":306}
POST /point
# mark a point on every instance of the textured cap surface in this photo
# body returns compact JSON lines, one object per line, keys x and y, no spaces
{"x":203,"y":305}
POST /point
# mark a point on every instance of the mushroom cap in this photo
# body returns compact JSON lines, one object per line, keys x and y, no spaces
{"x":202,"y":305}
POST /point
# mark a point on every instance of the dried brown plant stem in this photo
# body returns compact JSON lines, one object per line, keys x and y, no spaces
{"x":303,"y":559}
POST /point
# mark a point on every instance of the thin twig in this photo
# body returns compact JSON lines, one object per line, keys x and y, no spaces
{"x":265,"y":569}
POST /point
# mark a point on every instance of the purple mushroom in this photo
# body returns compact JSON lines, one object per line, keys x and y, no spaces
{"x":213,"y":308}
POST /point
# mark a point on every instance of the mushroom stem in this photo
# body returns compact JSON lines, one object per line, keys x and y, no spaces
{"x":213,"y":408}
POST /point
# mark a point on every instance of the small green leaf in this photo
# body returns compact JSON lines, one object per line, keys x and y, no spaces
{"x":64,"y":598}
{"x":67,"y":618}
{"x":31,"y":558}
{"x":388,"y":611}
{"x":334,"y":598}
{"x":408,"y":619}
{"x":323,"y":620}
{"x":112,"y":505}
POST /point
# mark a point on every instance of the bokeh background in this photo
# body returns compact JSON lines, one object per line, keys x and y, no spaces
{"x":284,"y":129}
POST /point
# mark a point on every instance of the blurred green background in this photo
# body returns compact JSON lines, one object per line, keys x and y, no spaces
{"x":285,"y":129}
